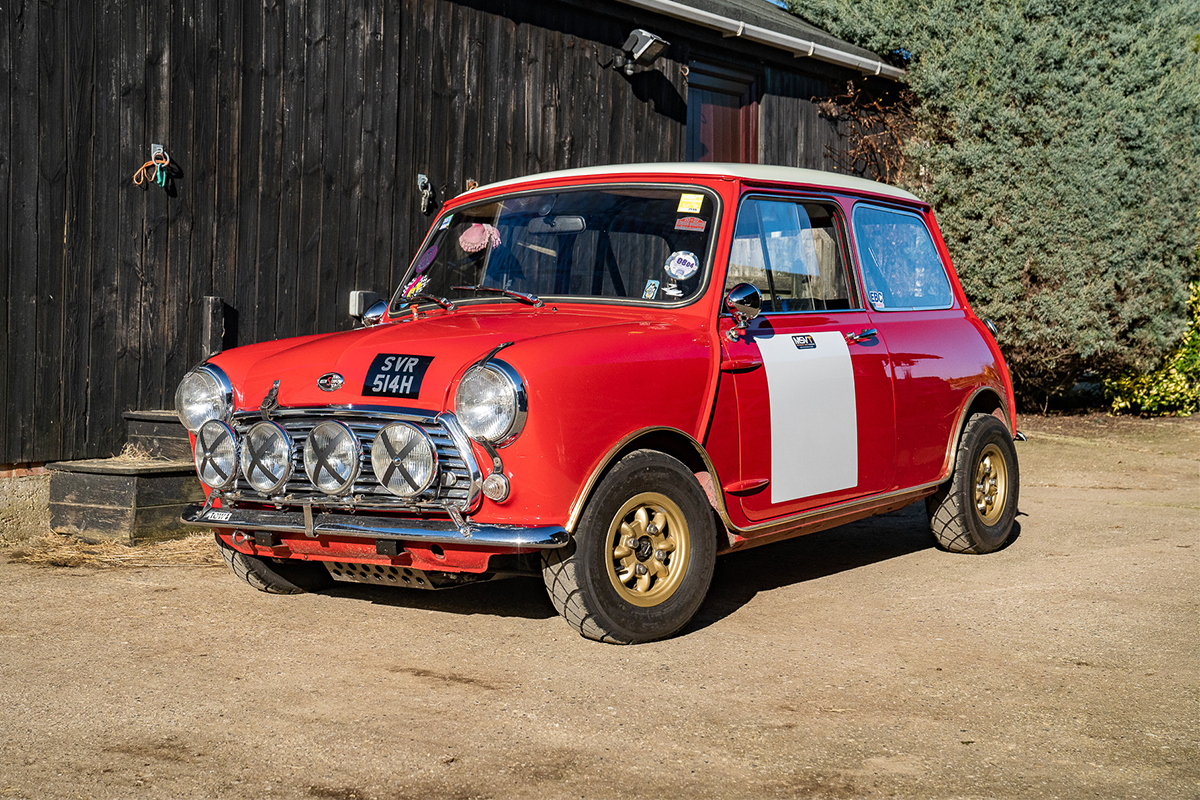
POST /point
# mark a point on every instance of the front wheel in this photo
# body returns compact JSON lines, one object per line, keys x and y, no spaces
{"x":973,"y":512}
{"x":642,"y":557}
{"x":275,"y":577}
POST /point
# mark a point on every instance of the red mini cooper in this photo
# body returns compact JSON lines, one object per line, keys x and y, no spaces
{"x":609,"y":377}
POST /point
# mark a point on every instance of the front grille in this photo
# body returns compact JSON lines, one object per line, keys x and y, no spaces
{"x":366,"y":492}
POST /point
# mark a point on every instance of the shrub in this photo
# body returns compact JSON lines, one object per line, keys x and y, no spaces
{"x":1059,"y":143}
{"x":1173,"y":388}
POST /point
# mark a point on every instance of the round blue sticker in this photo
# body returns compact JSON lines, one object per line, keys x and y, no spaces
{"x":682,"y":265}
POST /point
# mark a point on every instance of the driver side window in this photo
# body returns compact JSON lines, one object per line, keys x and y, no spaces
{"x":790,"y":251}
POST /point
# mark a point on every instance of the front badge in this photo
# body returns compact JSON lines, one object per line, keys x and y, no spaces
{"x":330,"y":382}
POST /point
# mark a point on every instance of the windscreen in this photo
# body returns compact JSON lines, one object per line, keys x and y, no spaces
{"x":643,"y":244}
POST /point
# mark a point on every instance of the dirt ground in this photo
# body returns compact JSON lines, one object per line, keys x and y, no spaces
{"x":858,"y":662}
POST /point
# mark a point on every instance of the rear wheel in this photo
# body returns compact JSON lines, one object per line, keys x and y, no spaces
{"x":642,"y":558}
{"x":973,"y":512}
{"x":275,"y":577}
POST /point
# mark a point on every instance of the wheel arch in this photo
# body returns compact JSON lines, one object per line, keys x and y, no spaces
{"x":984,"y":400}
{"x":669,"y":441}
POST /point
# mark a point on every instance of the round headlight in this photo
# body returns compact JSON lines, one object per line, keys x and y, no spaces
{"x":331,"y":457}
{"x":203,"y":394}
{"x":267,"y":457}
{"x":404,"y":459}
{"x":216,"y":454}
{"x":490,"y":402}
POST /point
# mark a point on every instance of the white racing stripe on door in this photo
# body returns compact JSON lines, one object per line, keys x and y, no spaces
{"x":814,"y":427}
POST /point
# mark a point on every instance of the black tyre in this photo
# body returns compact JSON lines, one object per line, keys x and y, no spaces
{"x":275,"y":577}
{"x":973,"y":512}
{"x":642,"y":557}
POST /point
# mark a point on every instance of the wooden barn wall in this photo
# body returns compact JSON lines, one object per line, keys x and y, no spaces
{"x":298,"y":128}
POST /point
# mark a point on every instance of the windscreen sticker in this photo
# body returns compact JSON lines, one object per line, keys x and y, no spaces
{"x":651,"y":290}
{"x":426,"y":259}
{"x":445,"y":223}
{"x":690,"y":224}
{"x":393,"y":375}
{"x":478,"y":236}
{"x":682,"y":265}
{"x":416,"y":286}
{"x":690,"y":203}
{"x":875,"y":298}
{"x":672,"y":291}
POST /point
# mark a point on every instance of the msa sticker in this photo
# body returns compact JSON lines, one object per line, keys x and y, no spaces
{"x":690,"y":224}
{"x":392,"y":375}
{"x":415,"y":286}
{"x":219,"y":516}
{"x":804,"y":342}
{"x":690,"y":203}
{"x":682,"y":265}
{"x":445,"y":223}
{"x":651,"y":290}
{"x":876,"y":299}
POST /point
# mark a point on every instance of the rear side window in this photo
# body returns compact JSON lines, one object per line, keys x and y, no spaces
{"x":790,"y":251}
{"x":900,"y":264}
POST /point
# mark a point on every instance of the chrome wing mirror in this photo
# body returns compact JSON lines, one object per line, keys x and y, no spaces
{"x":744,"y":301}
{"x":375,"y":313}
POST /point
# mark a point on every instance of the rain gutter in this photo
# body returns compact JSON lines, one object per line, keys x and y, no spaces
{"x":794,"y":45}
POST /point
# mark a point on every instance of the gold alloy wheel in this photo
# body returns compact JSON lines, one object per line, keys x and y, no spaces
{"x":991,"y":485}
{"x":649,"y":547}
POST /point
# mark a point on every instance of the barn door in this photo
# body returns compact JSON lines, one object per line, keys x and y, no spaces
{"x":722,"y":114}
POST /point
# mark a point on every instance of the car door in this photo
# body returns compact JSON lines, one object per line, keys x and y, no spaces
{"x":810,"y":379}
{"x":936,"y":353}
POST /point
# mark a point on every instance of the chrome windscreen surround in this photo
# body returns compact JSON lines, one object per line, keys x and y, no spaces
{"x":458,"y":488}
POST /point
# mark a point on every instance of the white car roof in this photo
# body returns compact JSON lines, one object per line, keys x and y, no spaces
{"x":749,"y":172}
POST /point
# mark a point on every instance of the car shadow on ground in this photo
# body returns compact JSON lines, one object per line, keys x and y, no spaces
{"x":742,"y":575}
{"x":738,"y":579}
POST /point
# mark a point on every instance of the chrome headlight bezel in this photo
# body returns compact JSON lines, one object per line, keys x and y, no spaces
{"x":503,"y":421}
{"x":212,"y":453}
{"x":311,"y":458}
{"x":249,"y":454}
{"x":204,"y":394}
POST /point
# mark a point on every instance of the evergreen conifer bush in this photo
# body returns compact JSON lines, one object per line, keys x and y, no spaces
{"x":1059,"y":144}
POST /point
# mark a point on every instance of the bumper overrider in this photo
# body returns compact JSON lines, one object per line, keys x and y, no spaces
{"x":302,"y":507}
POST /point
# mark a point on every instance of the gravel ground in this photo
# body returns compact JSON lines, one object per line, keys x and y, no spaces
{"x":857,"y":662}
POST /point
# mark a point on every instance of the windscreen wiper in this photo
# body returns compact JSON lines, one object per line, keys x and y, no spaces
{"x":524,"y":297}
{"x":432,"y":298}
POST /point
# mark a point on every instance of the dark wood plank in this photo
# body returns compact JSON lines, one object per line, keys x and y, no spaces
{"x":203,"y":161}
{"x":318,"y":167}
{"x":229,"y":165}
{"x":179,"y":345}
{"x":134,"y":150}
{"x":23,"y":229}
{"x":80,"y":207}
{"x":244,"y":298}
{"x":109,"y":181}
{"x":46,"y":417}
{"x":384,"y":269}
{"x":372,"y":181}
{"x":290,"y":234}
{"x":158,"y":294}
{"x":262,"y":322}
{"x":340,"y":280}
{"x":7,"y":31}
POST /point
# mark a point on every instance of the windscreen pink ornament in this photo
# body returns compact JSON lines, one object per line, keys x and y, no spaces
{"x":476,"y":237}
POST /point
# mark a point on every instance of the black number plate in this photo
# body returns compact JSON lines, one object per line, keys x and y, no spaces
{"x":393,"y":375}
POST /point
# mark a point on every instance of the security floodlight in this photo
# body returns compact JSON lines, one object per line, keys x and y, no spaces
{"x":642,"y":48}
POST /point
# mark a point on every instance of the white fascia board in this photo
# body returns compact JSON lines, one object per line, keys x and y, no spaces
{"x":796,"y":46}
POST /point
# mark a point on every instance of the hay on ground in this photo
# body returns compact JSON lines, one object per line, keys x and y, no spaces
{"x":57,"y":550}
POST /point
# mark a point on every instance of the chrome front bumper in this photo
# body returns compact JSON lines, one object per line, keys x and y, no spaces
{"x":312,"y":524}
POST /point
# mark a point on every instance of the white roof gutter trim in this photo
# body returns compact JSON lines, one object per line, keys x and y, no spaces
{"x":797,"y":47}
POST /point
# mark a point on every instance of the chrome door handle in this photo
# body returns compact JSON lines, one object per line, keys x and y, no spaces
{"x":863,"y":335}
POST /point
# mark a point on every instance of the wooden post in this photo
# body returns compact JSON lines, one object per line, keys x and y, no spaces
{"x":212,"y":326}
